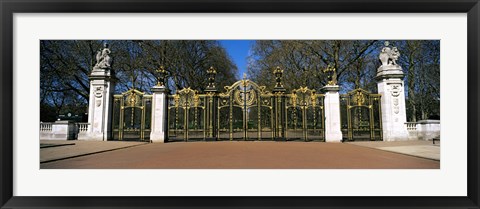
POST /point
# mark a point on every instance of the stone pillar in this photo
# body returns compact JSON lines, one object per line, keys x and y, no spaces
{"x":159,"y":114}
{"x":391,"y":87}
{"x":100,"y":101}
{"x":100,"y":107}
{"x":333,"y":132}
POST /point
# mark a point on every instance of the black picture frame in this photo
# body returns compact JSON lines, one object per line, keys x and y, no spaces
{"x":9,"y":7}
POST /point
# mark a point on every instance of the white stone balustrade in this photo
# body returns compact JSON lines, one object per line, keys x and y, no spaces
{"x":82,"y":127}
{"x":423,"y":130}
{"x":62,"y":130}
{"x":45,"y":127}
{"x":411,"y":126}
{"x":82,"y":130}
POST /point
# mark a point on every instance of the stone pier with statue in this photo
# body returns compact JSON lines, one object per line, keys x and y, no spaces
{"x":391,"y":87}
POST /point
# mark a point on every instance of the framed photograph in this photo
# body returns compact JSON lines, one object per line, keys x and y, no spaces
{"x":265,"y":104}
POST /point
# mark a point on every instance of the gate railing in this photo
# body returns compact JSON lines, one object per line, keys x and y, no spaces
{"x":305,"y":116}
{"x":131,"y":115}
{"x":361,"y":115}
{"x":187,"y":116}
{"x":245,"y":111}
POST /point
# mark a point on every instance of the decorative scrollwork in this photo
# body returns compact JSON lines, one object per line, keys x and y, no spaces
{"x":303,"y":97}
{"x":161,"y":74}
{"x":247,"y":97}
{"x":331,"y":74}
{"x":211,"y":78}
{"x":176,"y":99}
{"x":133,"y":98}
{"x":278,"y":77}
{"x":186,"y":98}
{"x":266,"y":101}
{"x":359,"y":98}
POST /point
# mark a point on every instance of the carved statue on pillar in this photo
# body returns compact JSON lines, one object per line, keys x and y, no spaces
{"x":102,"y":85}
{"x":389,"y":56}
{"x":104,"y":60}
{"x":390,"y":86}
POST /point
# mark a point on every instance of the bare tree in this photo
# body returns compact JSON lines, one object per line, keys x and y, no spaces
{"x":66,"y":64}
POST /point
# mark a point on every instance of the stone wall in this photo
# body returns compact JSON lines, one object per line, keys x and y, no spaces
{"x":62,"y":130}
{"x":423,"y":130}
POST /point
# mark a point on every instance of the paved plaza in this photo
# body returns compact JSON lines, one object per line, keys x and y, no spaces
{"x":418,"y":148}
{"x":239,"y":155}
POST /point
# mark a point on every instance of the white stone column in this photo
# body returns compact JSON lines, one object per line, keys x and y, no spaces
{"x":333,"y":132}
{"x":100,"y":100}
{"x":394,"y":116}
{"x":100,"y":107}
{"x":159,"y":114}
{"x":391,"y":87}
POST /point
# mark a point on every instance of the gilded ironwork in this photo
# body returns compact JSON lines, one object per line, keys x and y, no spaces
{"x":246,"y":111}
{"x":132,"y":115}
{"x":211,"y":78}
{"x":161,"y":74}
{"x":305,"y":115}
{"x":132,"y":99}
{"x":278,"y":78}
{"x":331,"y":74}
{"x":359,"y":98}
{"x":361,"y":115}
{"x":247,"y":97}
{"x":187,"y":115}
{"x":186,"y":98}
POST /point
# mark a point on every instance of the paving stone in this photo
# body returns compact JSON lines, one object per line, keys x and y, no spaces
{"x":246,"y":155}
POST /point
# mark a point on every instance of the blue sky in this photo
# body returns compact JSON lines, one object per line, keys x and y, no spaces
{"x":238,"y":51}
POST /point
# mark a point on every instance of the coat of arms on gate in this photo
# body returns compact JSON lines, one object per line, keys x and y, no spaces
{"x":245,"y":97}
{"x":359,"y":98}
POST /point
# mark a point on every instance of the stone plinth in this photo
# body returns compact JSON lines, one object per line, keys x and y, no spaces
{"x":333,"y":132}
{"x":391,"y":87}
{"x":100,"y":106}
{"x":159,"y":114}
{"x":62,"y":130}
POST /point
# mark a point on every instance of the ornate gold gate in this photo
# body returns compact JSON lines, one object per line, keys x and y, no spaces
{"x":131,"y":116}
{"x":305,"y":115}
{"x":187,"y":116}
{"x":361,"y":115}
{"x":245,"y":112}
